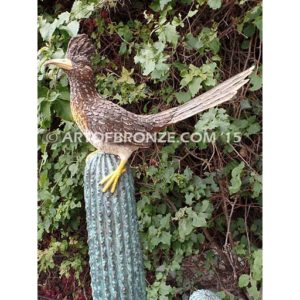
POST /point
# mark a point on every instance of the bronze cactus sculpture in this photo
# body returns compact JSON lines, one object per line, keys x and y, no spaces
{"x":116,"y":263}
{"x":115,"y":257}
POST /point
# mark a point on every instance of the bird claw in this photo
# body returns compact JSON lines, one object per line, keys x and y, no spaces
{"x":112,"y":180}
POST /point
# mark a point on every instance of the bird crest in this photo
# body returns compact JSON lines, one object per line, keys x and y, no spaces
{"x":80,"y":46}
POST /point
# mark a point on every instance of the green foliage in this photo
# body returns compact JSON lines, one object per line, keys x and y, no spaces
{"x":122,"y":89}
{"x":251,"y":21}
{"x":214,"y":4}
{"x":206,"y":41}
{"x":63,"y":248}
{"x":235,"y":180}
{"x":154,"y":56}
{"x":152,"y":60}
{"x":194,"y":77}
{"x":252,"y":281}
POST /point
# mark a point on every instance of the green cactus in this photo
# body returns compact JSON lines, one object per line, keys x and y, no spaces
{"x":116,"y":263}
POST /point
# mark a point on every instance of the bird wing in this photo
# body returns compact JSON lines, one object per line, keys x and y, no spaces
{"x":113,"y":121}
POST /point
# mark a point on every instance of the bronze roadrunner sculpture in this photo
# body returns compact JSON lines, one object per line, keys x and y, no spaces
{"x":96,"y":116}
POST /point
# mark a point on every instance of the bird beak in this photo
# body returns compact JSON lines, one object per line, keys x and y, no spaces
{"x":64,"y":63}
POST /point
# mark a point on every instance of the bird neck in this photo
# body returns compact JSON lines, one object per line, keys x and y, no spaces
{"x":83,"y":90}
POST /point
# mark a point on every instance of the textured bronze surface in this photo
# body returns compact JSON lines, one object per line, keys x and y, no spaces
{"x":116,"y":263}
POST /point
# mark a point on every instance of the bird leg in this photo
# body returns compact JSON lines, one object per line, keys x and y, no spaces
{"x":113,"y":178}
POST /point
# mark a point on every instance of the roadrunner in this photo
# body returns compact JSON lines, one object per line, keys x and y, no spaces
{"x":96,"y":116}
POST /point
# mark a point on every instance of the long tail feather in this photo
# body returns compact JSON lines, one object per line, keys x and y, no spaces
{"x":219,"y":94}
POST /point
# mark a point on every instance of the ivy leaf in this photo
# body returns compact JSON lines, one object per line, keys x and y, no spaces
{"x":177,"y":21}
{"x":161,"y":69}
{"x":191,"y":13}
{"x":185,"y":227}
{"x":258,"y":22}
{"x":125,"y":76}
{"x":123,"y":48}
{"x":236,"y":181}
{"x":165,"y":221}
{"x":193,"y":42}
{"x":164,"y":290}
{"x":72,"y":28}
{"x":149,"y":66}
{"x":245,"y":104}
{"x":159,"y":46}
{"x":253,"y":129}
{"x":214,"y":4}
{"x":249,"y":30}
{"x":59,"y":53}
{"x":169,"y":34}
{"x":183,"y":97}
{"x":212,"y":119}
{"x":73,"y":168}
{"x":63,"y":18}
{"x":46,"y":30}
{"x":188,"y":173}
{"x":163,"y":3}
{"x":257,"y":265}
{"x":244,"y":280}
{"x":199,"y":220}
{"x":166,"y":238}
{"x":150,"y":59}
{"x":205,"y":205}
{"x":151,"y":171}
{"x":256,"y":82}
{"x":81,"y":10}
{"x":256,"y":181}
{"x":125,"y":32}
{"x":63,"y":110}
{"x":253,"y":292}
{"x":195,"y":85}
{"x":45,"y":110}
{"x":189,"y":198}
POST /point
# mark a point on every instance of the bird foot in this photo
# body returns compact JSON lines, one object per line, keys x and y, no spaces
{"x":113,"y":178}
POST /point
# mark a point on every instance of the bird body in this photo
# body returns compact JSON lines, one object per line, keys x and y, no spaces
{"x":97,"y":117}
{"x":92,"y":121}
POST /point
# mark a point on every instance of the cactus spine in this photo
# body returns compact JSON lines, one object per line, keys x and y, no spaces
{"x":116,"y":263}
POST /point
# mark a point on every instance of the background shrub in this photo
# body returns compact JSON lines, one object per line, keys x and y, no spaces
{"x":199,"y":204}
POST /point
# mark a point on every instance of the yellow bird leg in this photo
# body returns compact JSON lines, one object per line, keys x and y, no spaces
{"x":112,"y":179}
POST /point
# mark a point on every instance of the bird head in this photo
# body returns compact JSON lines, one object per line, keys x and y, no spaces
{"x":78,"y":58}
